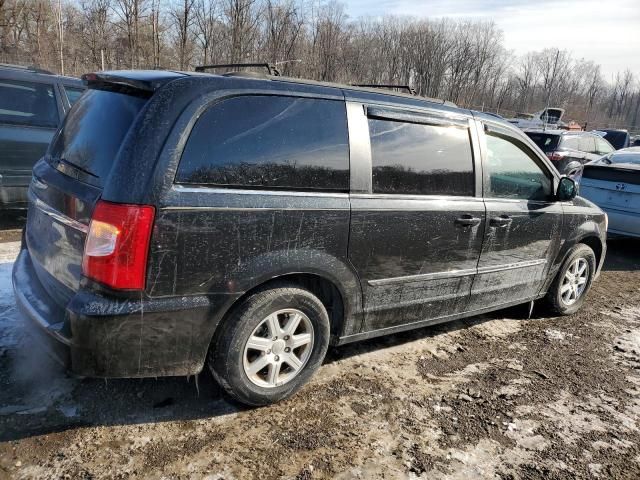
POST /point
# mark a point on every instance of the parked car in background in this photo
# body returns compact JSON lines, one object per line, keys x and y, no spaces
{"x":617,"y":138}
{"x":551,"y":117}
{"x":613,"y":183}
{"x":273,"y":216}
{"x":635,"y":141}
{"x":32,"y":104}
{"x":569,"y":150}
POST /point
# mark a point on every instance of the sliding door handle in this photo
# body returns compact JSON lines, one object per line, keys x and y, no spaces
{"x":468,"y":220}
{"x":501,"y":221}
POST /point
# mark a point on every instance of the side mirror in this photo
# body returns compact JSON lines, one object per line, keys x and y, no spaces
{"x":567,"y":189}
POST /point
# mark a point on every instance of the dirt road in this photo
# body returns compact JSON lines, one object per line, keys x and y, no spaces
{"x":493,"y":397}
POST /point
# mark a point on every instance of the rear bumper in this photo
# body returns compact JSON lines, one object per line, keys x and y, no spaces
{"x":97,"y":336}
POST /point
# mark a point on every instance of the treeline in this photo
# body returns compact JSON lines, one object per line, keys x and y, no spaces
{"x":463,"y":61}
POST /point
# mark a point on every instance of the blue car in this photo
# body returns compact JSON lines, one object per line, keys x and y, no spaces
{"x":613,"y":183}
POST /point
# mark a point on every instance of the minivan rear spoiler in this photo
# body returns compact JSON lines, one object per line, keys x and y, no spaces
{"x":134,"y":82}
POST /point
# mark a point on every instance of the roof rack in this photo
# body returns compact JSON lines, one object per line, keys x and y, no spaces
{"x":271,"y":69}
{"x":27,"y":69}
{"x":409,"y":90}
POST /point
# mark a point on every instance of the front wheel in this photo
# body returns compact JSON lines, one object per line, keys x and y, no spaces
{"x":568,"y":290}
{"x":270,"y":345}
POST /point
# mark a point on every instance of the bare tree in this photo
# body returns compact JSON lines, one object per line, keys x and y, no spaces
{"x":183,"y":18}
{"x":242,"y":17}
{"x":207,"y":27}
{"x":459,"y":60}
{"x":130,"y":13}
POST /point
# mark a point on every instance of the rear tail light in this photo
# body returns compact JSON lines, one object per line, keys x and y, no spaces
{"x":116,"y":248}
{"x":555,"y":156}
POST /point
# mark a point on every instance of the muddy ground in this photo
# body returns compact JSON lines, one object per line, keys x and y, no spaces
{"x":11,"y":224}
{"x":499,"y":396}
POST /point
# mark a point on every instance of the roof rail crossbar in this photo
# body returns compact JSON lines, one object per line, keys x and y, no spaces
{"x":271,"y":69}
{"x":407,"y":88}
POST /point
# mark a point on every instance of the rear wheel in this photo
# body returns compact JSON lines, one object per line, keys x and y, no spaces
{"x":568,"y":290}
{"x":270,"y":345}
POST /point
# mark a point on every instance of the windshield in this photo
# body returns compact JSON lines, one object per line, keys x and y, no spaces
{"x":93,"y":131}
{"x":546,"y":141}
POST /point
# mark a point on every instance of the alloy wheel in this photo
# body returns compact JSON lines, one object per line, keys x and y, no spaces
{"x":278,"y":348}
{"x":574,"y":282}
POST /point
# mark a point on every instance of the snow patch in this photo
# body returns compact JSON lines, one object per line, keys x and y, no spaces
{"x":37,"y":382}
{"x":10,"y":333}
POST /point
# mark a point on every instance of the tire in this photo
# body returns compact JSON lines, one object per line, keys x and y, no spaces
{"x":554,"y":299}
{"x":232,"y":360}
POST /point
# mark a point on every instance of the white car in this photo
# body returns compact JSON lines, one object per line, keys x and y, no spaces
{"x":548,"y":117}
{"x":613,"y":183}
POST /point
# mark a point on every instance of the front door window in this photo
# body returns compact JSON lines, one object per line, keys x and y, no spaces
{"x":513,"y":173}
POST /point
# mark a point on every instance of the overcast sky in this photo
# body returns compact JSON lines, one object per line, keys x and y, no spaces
{"x":605,"y":31}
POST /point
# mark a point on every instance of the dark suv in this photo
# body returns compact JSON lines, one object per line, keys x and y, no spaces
{"x":183,"y":220}
{"x":32,"y":104}
{"x":569,"y":150}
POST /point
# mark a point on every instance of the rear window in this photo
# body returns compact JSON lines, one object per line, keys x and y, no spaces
{"x":93,"y":131}
{"x":27,"y":103}
{"x":546,"y":141}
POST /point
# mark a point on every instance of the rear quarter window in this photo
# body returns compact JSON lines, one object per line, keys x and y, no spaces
{"x":269,"y":142}
{"x":587,"y":144}
{"x":93,"y":131}
{"x":571,"y":142}
{"x":28,"y":103}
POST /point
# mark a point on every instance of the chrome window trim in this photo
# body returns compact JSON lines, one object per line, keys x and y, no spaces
{"x":182,"y":188}
{"x":418,"y":197}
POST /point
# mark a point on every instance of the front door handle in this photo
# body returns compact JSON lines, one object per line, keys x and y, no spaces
{"x":501,"y":221}
{"x":468,"y":220}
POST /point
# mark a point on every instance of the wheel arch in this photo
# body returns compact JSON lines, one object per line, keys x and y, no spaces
{"x":593,"y":242}
{"x":342,"y":308}
{"x":590,"y":238}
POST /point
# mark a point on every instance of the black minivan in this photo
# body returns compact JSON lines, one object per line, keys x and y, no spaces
{"x":245,"y":223}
